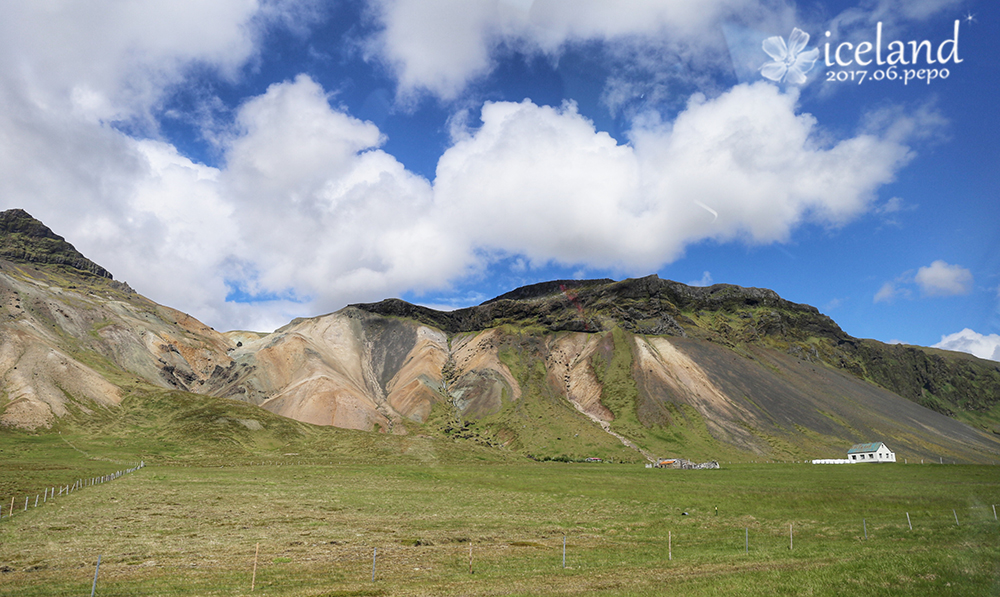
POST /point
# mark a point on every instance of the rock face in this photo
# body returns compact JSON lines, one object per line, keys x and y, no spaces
{"x":563,"y":369}
{"x":356,"y":370}
{"x":65,"y":333}
{"x":347,"y":369}
{"x":24,"y":239}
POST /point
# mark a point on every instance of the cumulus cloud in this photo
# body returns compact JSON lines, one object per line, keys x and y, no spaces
{"x":68,"y":73}
{"x":307,"y":212}
{"x":106,"y":60}
{"x":542,"y":181}
{"x":983,"y":346}
{"x":323,"y":210}
{"x":943,"y":279}
{"x":937,"y":279}
{"x":440,"y":46}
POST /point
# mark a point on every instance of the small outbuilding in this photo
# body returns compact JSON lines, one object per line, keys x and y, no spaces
{"x":871,"y":452}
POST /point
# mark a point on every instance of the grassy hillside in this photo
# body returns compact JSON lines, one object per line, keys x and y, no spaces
{"x":733,"y":374}
{"x":164,"y":427}
{"x":190,"y":530}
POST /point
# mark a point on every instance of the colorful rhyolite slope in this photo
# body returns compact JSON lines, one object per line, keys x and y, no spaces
{"x":625,"y":370}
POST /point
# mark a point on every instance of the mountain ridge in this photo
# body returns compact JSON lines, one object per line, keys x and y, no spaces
{"x":27,"y":240}
{"x":561,"y":369}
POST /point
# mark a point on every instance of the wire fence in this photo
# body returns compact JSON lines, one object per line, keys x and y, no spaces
{"x":127,"y":573}
{"x":255,"y":567}
{"x":51,"y":493}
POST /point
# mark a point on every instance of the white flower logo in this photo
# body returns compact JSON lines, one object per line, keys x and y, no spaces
{"x":790,"y":63}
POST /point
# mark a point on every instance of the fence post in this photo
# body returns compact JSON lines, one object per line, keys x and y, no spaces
{"x":564,"y":551}
{"x":746,"y":540}
{"x":253,"y":577}
{"x":865,"y":523}
{"x":956,"y":516}
{"x":908,"y":521}
{"x":994,"y":512}
{"x":670,"y":547}
{"x":374,"y":557}
{"x":789,"y":536}
{"x":93,"y":587}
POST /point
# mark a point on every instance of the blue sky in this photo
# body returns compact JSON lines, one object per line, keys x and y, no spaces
{"x":251,"y":161}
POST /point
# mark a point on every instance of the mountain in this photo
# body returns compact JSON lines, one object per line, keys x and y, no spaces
{"x":567,"y":369}
{"x":24,"y":239}
{"x":71,"y":337}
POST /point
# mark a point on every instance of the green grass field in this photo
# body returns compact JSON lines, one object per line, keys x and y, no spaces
{"x":176,"y":529}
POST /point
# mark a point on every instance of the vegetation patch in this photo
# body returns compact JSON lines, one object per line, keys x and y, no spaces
{"x":627,"y":530}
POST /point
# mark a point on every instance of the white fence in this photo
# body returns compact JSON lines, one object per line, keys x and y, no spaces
{"x":51,"y":493}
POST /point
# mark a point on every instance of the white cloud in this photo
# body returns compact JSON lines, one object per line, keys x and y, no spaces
{"x":706,"y":280}
{"x":108,"y":60}
{"x":942,"y":279}
{"x":892,"y":13}
{"x":937,"y":279}
{"x":835,"y":303}
{"x":983,"y":346}
{"x":440,"y":46}
{"x":148,"y":214}
{"x":888,"y":293}
{"x":891,"y":206}
{"x":542,"y":181}
{"x":323,"y":211}
{"x":307,"y":207}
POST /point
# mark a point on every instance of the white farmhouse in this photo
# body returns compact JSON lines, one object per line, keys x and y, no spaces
{"x":873,"y":452}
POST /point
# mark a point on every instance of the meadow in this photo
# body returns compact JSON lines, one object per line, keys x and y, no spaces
{"x":313,"y":528}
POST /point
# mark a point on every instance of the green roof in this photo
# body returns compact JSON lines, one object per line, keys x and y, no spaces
{"x":858,"y":448}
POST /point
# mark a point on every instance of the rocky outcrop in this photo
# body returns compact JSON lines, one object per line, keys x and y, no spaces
{"x":25,"y":239}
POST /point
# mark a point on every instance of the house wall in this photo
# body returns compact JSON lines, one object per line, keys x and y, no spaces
{"x":883,"y":454}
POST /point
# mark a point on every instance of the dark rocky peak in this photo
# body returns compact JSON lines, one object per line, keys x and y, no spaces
{"x":544,"y":289}
{"x":18,"y":221}
{"x":26,"y":240}
{"x":718,"y":296}
{"x":646,"y":305}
